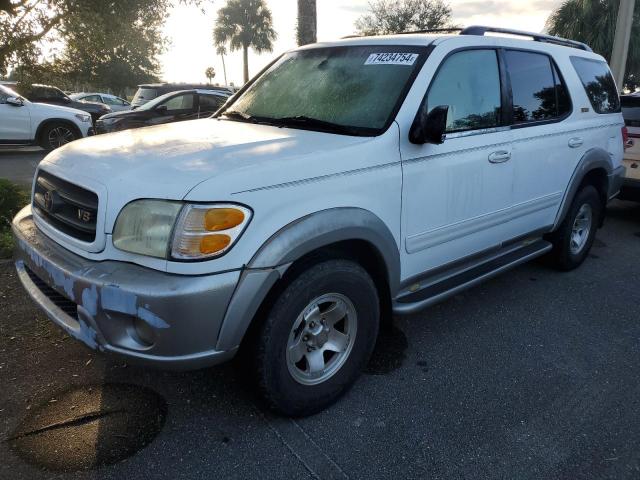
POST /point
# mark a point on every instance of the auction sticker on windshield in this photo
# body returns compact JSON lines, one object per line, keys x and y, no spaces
{"x":391,"y":59}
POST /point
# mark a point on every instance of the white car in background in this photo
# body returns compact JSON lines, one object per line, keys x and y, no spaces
{"x":50,"y":126}
{"x":116,"y":104}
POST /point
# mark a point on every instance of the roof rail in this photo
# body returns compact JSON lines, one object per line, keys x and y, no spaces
{"x":433,"y":30}
{"x":538,"y":37}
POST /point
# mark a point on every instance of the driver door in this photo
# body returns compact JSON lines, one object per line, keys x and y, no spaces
{"x":457,"y":195}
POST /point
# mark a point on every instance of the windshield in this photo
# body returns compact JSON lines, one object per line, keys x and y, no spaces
{"x":6,"y":91}
{"x":349,"y":90}
{"x":157,"y":101}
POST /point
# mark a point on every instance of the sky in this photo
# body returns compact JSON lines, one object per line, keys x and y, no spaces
{"x":191,"y":50}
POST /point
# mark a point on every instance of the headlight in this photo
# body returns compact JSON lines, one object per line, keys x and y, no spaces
{"x":144,"y":227}
{"x":205,"y":231}
{"x":199,"y":231}
{"x":109,"y":121}
{"x":83,"y":117}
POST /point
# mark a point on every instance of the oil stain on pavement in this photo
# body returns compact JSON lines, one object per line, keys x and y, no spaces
{"x":87,"y":427}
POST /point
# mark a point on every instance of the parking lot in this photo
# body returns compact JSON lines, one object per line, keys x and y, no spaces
{"x":531,"y":375}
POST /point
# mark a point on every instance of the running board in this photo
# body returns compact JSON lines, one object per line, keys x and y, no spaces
{"x":446,"y":284}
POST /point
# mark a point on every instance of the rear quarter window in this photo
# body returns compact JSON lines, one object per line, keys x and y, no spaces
{"x":598,"y":84}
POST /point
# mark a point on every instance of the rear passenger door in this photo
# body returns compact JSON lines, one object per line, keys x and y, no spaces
{"x":546,"y":148}
{"x":457,"y":195}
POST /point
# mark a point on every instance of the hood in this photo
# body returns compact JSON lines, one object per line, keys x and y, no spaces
{"x":120,"y":114}
{"x":57,"y":109}
{"x":168,"y":161}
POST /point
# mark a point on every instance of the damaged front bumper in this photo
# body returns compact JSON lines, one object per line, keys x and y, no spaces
{"x":147,"y":316}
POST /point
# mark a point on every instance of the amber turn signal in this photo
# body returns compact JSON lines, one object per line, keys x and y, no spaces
{"x":218,"y":219}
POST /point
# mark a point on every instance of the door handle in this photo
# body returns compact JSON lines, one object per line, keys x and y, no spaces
{"x":575,"y":142}
{"x":500,"y":156}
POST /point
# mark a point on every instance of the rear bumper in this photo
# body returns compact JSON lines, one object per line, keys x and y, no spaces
{"x":146,"y":316}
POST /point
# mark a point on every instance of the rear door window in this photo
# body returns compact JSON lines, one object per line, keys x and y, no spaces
{"x":539,"y":93}
{"x":598,"y":83}
{"x":469,"y":83}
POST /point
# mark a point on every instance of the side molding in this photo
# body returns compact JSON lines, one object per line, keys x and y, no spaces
{"x":292,"y":242}
{"x":596,"y":158}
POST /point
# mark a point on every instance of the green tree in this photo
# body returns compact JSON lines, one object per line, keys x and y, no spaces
{"x":210,"y":73}
{"x":307,"y":29}
{"x":113,"y":44}
{"x":594,"y":23}
{"x":222,"y":51}
{"x":245,"y":24}
{"x":396,"y":16}
{"x":22,"y":25}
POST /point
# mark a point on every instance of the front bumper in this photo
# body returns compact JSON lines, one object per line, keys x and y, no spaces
{"x":147,"y":316}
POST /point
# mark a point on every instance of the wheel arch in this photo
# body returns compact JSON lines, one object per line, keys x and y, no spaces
{"x":350,"y":233}
{"x":594,"y":168}
{"x":50,"y":121}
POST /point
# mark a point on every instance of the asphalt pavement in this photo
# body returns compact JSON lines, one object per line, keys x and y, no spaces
{"x":19,"y":165}
{"x":533,"y":375}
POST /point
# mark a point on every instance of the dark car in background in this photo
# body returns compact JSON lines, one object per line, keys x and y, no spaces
{"x":167,"y":108}
{"x":151,"y":91}
{"x":54,"y":96}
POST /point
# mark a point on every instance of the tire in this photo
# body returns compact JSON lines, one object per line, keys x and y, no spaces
{"x":55,"y":135}
{"x":294,"y":330}
{"x":570,"y":247}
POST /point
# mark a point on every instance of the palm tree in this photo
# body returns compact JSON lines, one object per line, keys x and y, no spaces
{"x":245,"y":24}
{"x":210,"y":73}
{"x":307,"y":22}
{"x":594,"y":23}
{"x":222,"y":51}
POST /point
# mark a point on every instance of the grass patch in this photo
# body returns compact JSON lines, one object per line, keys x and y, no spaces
{"x":12,"y":199}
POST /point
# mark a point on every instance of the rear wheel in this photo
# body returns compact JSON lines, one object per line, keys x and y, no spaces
{"x":574,"y":239}
{"x":55,"y":135}
{"x":317,"y":337}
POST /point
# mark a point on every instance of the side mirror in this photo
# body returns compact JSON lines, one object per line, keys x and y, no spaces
{"x":15,"y":101}
{"x":429,"y":127}
{"x":161,"y":109}
{"x":66,"y":99}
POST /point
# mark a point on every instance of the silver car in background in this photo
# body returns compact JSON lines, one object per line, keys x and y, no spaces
{"x":116,"y":103}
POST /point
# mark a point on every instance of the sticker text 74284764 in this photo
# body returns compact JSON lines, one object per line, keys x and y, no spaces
{"x":390,"y":58}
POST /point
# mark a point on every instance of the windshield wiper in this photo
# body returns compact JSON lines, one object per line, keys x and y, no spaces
{"x":304,"y":121}
{"x":238,"y":115}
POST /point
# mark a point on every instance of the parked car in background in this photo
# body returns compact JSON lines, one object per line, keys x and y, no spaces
{"x":49,"y":126}
{"x":151,"y":91}
{"x":115,"y":103}
{"x":54,"y":96}
{"x":171,"y":107}
{"x":631,"y":114}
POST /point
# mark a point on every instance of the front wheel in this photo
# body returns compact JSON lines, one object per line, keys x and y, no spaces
{"x":317,"y":338}
{"x":574,"y":238}
{"x":55,"y":135}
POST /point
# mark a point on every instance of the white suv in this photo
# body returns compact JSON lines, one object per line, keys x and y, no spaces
{"x":347,"y":182}
{"x":49,"y":126}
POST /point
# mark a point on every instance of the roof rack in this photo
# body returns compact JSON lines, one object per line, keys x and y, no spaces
{"x":538,"y":37}
{"x":433,"y":30}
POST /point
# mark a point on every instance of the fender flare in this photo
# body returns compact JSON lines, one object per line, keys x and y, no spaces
{"x":291,"y":243}
{"x":46,"y":121}
{"x":596,"y":158}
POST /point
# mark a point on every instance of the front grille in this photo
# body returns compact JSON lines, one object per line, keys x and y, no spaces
{"x":67,"y":207}
{"x":62,"y":302}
